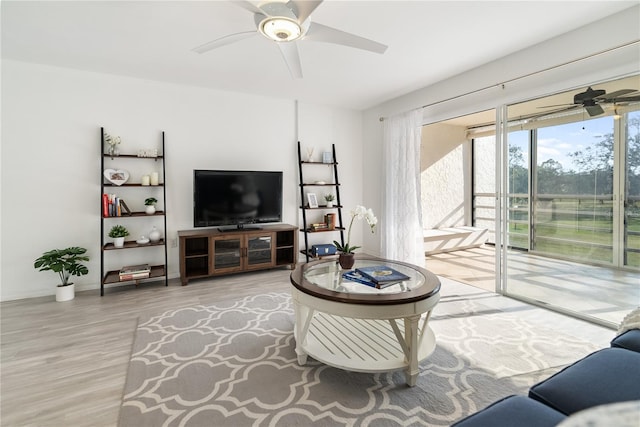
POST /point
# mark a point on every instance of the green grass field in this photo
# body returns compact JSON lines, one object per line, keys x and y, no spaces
{"x":577,"y":229}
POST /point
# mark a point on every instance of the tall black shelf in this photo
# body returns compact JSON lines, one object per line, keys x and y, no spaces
{"x":306,"y":229}
{"x":157,"y":271}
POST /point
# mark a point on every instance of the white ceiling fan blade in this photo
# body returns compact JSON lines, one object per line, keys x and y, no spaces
{"x":222,"y":41}
{"x":322,"y":33}
{"x":292,"y":58}
{"x":304,"y":8}
{"x":247,"y":5}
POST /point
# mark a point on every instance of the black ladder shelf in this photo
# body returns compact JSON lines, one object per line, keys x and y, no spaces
{"x":157,"y":271}
{"x":304,"y":205}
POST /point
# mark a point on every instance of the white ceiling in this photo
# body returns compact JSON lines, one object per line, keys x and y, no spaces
{"x":428,"y":42}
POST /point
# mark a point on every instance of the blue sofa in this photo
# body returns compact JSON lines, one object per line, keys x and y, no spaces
{"x":607,"y":376}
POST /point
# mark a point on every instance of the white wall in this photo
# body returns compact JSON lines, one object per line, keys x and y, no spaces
{"x":541,"y":70}
{"x":319,"y":128}
{"x":443,"y":158}
{"x":51,"y":173}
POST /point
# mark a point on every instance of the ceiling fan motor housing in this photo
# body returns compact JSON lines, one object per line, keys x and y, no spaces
{"x":588,"y":95}
{"x":279,"y":22}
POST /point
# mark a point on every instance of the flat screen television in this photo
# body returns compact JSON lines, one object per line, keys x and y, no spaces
{"x":233,"y":199}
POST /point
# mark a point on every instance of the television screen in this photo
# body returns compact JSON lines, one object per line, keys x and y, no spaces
{"x":235,"y":198}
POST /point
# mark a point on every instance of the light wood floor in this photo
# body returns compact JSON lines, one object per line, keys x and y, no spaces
{"x":65,"y":364}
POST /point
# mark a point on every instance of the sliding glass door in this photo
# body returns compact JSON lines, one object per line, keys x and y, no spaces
{"x":569,"y":192}
{"x":573,"y":210}
{"x":631,"y":183}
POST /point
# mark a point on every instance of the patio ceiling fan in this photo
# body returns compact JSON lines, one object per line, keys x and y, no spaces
{"x":288,"y":23}
{"x":591,"y":100}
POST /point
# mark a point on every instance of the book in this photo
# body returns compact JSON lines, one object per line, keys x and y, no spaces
{"x":354,"y":276}
{"x":105,"y":205}
{"x":125,"y":208}
{"x":134,"y":276}
{"x":135,"y":272}
{"x":133,"y":269}
{"x":380,"y":274}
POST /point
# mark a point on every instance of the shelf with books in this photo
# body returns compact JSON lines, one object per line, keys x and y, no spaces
{"x":113,"y":206}
{"x":135,"y":214}
{"x":113,"y":276}
{"x":324,"y":230}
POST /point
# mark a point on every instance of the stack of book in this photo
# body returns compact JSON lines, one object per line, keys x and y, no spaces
{"x":113,"y":205}
{"x":135,"y":272}
{"x":379,"y":276}
{"x":319,"y":226}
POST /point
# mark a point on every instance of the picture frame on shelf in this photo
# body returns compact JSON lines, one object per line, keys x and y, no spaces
{"x":312,"y":199}
{"x":116,"y":176}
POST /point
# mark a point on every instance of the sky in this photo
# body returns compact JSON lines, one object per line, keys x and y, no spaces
{"x":557,"y":142}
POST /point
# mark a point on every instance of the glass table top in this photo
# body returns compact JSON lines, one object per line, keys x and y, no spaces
{"x":329,"y":276}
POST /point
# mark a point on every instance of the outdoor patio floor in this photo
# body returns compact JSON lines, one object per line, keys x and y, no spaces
{"x":600,"y":293}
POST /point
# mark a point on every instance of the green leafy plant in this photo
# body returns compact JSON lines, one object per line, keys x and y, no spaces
{"x":150,"y":201}
{"x":360,"y":212}
{"x":65,"y":262}
{"x":118,"y":231}
{"x":329,"y":197}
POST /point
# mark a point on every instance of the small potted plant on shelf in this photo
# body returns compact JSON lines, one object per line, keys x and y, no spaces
{"x":66,"y":262}
{"x":150,"y":204}
{"x":118,"y":233}
{"x":329,"y":198}
{"x":347,"y":252}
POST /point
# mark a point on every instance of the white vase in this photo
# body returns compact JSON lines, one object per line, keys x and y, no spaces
{"x":154,"y":235}
{"x":118,"y":242}
{"x":150,"y":210}
{"x":329,"y":204}
{"x":65,"y":293}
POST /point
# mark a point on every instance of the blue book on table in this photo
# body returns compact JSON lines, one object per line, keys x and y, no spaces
{"x":381,"y":274}
{"x":354,"y":276}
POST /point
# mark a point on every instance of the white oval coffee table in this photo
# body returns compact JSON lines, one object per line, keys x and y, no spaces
{"x":355,"y":327}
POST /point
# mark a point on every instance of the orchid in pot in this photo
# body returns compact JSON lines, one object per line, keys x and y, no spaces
{"x":346,"y":258}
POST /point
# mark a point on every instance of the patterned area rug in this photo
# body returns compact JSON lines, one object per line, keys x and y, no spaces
{"x":234,"y":364}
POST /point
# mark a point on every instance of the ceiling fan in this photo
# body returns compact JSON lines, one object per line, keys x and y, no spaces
{"x":591,"y":99}
{"x":286,"y":24}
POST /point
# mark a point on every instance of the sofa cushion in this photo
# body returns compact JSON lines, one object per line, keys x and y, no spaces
{"x":629,"y":340}
{"x":606,"y":376}
{"x":513,"y":411}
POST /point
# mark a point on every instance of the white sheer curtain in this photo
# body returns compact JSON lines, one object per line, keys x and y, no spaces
{"x":402,"y":235}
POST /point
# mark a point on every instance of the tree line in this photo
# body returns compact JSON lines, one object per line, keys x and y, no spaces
{"x":592,"y":171}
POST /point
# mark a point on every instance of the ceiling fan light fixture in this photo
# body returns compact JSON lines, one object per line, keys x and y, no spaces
{"x":280,"y":29}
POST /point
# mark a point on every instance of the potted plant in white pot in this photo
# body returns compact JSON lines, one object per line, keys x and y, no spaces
{"x":150,"y":204}
{"x":118,"y":233}
{"x":329,"y":198}
{"x":66,"y":262}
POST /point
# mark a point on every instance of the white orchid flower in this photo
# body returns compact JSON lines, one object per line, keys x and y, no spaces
{"x":359,"y":212}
